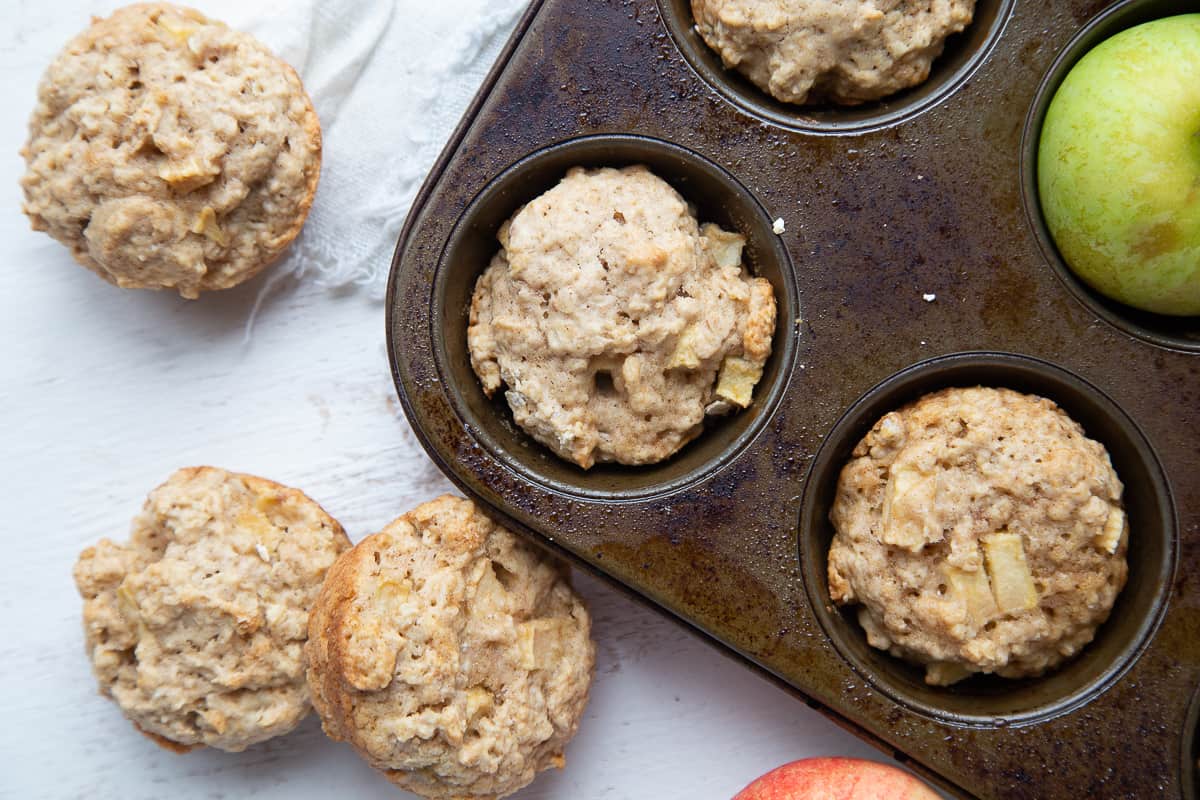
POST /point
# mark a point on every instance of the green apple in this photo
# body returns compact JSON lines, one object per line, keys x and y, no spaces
{"x":1119,"y":166}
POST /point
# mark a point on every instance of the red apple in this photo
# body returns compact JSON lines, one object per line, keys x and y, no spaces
{"x":836,"y":779}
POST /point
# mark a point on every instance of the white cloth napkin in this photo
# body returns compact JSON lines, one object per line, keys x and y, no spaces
{"x":390,"y":80}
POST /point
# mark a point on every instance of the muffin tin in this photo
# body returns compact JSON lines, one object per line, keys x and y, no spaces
{"x":929,"y":193}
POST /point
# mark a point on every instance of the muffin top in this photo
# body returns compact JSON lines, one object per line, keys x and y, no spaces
{"x":841,"y":51}
{"x":195,"y":626}
{"x":452,"y":656}
{"x":168,"y":151}
{"x":981,"y":531}
{"x":615,"y":321}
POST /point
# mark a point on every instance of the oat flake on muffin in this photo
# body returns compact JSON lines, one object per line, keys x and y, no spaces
{"x":979,"y":530}
{"x":168,"y":151}
{"x":196,"y":625}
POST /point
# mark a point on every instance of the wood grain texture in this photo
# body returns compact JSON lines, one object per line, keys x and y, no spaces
{"x":106,"y":392}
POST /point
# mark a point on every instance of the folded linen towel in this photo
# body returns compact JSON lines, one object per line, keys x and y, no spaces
{"x":390,"y":80}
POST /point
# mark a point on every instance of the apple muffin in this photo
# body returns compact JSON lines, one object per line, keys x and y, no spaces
{"x":616,"y":321}
{"x":168,"y":151}
{"x":450,"y":654}
{"x":839,"y":51}
{"x":980,"y":531}
{"x":196,"y":625}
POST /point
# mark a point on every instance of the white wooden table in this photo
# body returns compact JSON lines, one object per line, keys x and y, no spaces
{"x":106,"y":392}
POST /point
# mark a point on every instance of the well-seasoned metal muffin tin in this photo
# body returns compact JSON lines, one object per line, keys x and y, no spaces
{"x":930,"y":193}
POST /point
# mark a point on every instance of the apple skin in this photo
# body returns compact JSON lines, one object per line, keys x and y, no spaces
{"x":1119,"y":166}
{"x":836,"y":779}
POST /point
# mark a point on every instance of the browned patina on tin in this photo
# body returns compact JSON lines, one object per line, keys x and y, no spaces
{"x":922,"y":195}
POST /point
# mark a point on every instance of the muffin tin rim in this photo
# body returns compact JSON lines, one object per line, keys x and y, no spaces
{"x":765,"y":406}
{"x":813,"y":565}
{"x":724,"y":81}
{"x":1112,"y":312}
{"x":1190,"y":749}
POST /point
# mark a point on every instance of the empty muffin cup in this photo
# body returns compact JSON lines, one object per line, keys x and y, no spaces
{"x":1180,"y":333}
{"x":985,"y":700}
{"x":963,"y":53}
{"x":717,"y":198}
